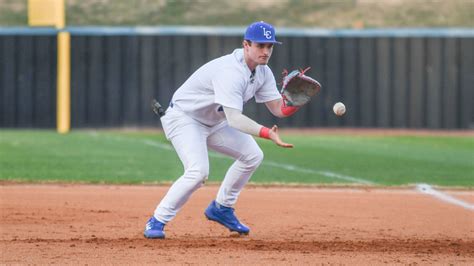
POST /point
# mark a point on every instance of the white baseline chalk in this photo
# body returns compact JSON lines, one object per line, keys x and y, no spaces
{"x":427,"y":189}
{"x":422,"y":188}
{"x":289,"y":167}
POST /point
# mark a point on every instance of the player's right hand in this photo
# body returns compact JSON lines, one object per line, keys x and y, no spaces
{"x":275,"y":137}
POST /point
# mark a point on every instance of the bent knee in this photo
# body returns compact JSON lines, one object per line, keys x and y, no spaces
{"x":198,"y":174}
{"x":254,"y":158}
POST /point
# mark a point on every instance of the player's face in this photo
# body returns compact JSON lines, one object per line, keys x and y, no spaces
{"x":258,"y":53}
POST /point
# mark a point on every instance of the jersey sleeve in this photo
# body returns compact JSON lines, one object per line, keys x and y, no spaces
{"x":268,"y":91}
{"x":228,"y":89}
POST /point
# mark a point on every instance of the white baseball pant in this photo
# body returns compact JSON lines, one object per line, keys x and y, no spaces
{"x":191,"y":140}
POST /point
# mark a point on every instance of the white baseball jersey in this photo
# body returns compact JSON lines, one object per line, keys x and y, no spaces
{"x":225,"y":81}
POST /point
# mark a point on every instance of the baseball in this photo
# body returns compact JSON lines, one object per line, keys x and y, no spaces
{"x":339,"y":109}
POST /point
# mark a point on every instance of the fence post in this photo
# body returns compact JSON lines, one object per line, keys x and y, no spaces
{"x":52,"y":13}
{"x":63,"y":122}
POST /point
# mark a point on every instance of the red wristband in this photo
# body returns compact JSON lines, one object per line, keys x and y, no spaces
{"x":264,"y":133}
{"x":288,"y":110}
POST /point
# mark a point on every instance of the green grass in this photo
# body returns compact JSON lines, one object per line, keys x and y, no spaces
{"x":287,"y":13}
{"x":397,"y":160}
{"x":144,"y":157}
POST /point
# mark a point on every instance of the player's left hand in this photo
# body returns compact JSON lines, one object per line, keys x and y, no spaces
{"x":297,"y":88}
{"x":275,"y":137}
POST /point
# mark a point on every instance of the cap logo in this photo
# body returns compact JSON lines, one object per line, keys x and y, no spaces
{"x":260,"y":32}
{"x":267,"y":33}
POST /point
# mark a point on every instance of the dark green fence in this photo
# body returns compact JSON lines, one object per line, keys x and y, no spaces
{"x":391,"y":79}
{"x":27,"y":81}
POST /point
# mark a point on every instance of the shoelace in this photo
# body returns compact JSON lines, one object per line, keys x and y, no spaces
{"x":229,"y":213}
{"x":225,"y":209}
{"x":156,"y":225}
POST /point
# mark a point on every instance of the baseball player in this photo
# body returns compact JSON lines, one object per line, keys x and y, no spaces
{"x":206,"y":113}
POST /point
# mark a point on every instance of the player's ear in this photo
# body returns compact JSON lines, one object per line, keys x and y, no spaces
{"x":246,"y":43}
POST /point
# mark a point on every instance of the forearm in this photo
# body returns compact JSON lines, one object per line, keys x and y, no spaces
{"x":279,"y":108}
{"x":237,"y":120}
{"x":241,"y":122}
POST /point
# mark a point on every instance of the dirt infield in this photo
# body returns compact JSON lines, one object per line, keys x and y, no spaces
{"x":86,"y":224}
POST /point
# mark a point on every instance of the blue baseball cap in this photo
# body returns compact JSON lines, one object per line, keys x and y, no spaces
{"x":260,"y":32}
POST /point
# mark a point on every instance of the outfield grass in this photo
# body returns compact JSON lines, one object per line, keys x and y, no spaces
{"x":144,"y":157}
{"x":288,"y":13}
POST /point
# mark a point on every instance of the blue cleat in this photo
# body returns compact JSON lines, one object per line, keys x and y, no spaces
{"x":154,"y":229}
{"x":226,"y":217}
